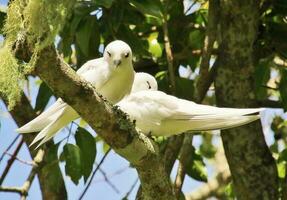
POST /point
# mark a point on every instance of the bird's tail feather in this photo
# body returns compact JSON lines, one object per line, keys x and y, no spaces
{"x":208,"y":111}
{"x":44,"y":118}
{"x":220,"y":123}
{"x":66,"y":116}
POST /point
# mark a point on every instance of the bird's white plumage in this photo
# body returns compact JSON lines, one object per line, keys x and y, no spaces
{"x":144,"y":81}
{"x":112,"y":75}
{"x":160,"y":114}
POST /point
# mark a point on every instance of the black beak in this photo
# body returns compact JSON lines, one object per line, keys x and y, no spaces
{"x":117,"y":62}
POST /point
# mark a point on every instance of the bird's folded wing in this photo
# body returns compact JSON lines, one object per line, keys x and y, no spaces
{"x":44,"y":118}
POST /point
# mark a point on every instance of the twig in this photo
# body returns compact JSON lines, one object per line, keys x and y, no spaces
{"x":190,"y":7}
{"x":9,"y":147}
{"x":207,"y":49}
{"x":11,"y":189}
{"x":169,"y":55}
{"x":211,"y":188}
{"x":10,"y":161}
{"x":131,"y":189}
{"x":37,"y":160}
{"x":112,"y":175}
{"x":179,"y":179}
{"x":31,"y":163}
{"x":108,"y":181}
{"x":70,"y":131}
{"x":94,"y":173}
{"x":270,"y":103}
{"x":184,"y":159}
{"x":171,"y":151}
{"x":23,"y":191}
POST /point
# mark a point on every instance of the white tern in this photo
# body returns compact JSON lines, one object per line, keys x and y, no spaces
{"x":112,"y":75}
{"x":160,"y":114}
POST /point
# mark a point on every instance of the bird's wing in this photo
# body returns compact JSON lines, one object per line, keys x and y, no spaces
{"x":202,"y":117}
{"x":96,"y":72}
{"x":66,"y":115}
{"x":44,"y":118}
{"x":149,"y":106}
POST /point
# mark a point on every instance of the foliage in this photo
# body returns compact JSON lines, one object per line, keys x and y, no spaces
{"x":80,"y":158}
{"x":84,"y":27}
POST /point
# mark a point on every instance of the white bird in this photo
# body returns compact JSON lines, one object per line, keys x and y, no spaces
{"x":112,"y":75}
{"x":159,"y":114}
{"x":144,"y":81}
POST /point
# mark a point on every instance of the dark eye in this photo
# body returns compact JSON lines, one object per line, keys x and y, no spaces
{"x":127,"y":55}
{"x":109,"y":53}
{"x":149,"y":87}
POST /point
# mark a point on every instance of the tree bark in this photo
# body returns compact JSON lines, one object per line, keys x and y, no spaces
{"x":50,"y":178}
{"x":252,"y":166}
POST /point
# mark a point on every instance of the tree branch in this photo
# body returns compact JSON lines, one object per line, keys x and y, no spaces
{"x":11,"y":161}
{"x":270,"y":103}
{"x":214,"y":186}
{"x":37,"y":165}
{"x":11,"y":189}
{"x":23,"y":191}
{"x":209,"y":40}
{"x":9,"y":147}
{"x":211,"y":188}
{"x":168,"y":51}
{"x":184,"y":159}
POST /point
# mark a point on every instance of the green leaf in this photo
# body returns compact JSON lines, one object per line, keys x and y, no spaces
{"x":282,"y":156}
{"x":104,"y":3}
{"x":154,"y":47}
{"x":148,"y":7}
{"x":281,"y":168}
{"x":2,"y":19}
{"x":196,"y":39}
{"x":184,"y":88}
{"x":72,"y":156}
{"x":196,"y":167}
{"x":44,"y":94}
{"x":229,"y":191}
{"x":262,"y":75}
{"x":87,"y":145}
{"x":88,"y":37}
{"x":206,"y":148}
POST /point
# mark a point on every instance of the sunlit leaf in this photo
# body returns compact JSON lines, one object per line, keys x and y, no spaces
{"x":196,"y":167}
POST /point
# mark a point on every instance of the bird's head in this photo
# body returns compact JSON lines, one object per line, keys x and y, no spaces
{"x":144,"y":81}
{"x":118,"y":53}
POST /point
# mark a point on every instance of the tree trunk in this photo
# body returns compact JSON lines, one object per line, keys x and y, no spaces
{"x":252,"y":166}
